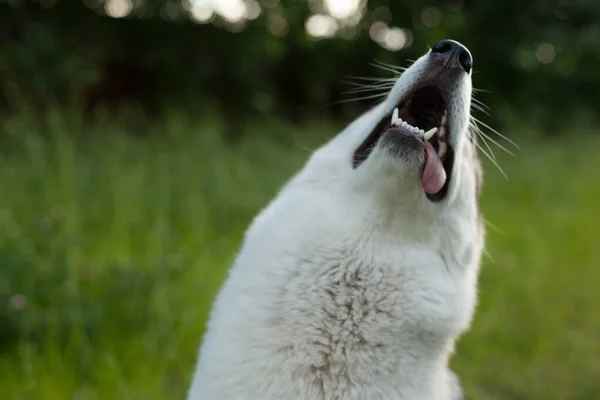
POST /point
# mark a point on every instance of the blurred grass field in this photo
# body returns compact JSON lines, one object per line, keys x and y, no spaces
{"x":113,"y":245}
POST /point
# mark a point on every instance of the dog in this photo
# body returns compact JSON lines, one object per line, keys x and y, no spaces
{"x":358,"y":278}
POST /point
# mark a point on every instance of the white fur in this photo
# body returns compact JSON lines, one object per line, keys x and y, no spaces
{"x":351,"y":284}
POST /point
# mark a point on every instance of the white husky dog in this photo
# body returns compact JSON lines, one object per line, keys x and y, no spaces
{"x":355,"y":282}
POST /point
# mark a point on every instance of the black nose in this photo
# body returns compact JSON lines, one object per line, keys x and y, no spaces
{"x":455,"y":52}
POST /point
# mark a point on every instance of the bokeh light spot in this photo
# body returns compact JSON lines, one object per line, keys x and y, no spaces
{"x":382,"y":14}
{"x":321,"y":26}
{"x":277,"y":25}
{"x":341,"y":9}
{"x":253,"y":10}
{"x":394,"y":39}
{"x":118,"y":8}
{"x":390,"y":38}
{"x":202,"y":13}
{"x":18,"y":302}
{"x":378,"y":31}
{"x":231,"y":10}
{"x":545,"y":53}
{"x":431,"y":17}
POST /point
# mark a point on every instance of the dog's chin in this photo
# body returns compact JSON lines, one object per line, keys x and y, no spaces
{"x":402,"y":144}
{"x":402,"y":154}
{"x":395,"y":165}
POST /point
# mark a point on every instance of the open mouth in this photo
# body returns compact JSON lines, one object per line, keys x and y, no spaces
{"x":423,"y":115}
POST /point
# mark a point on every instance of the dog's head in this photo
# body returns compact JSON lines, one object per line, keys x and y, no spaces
{"x":417,"y":142}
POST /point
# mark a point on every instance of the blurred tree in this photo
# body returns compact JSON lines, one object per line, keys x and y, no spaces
{"x":539,"y":58}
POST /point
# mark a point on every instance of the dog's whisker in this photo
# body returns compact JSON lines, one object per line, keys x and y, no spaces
{"x":368,"y":89}
{"x":492,"y":160}
{"x":493,"y":227}
{"x":357,"y":99}
{"x":483,"y":135}
{"x":495,"y":131}
{"x":370,"y":85}
{"x":389,"y":69}
{"x":481,"y":103}
{"x":476,"y":130}
{"x":304,"y":147}
{"x":377,"y":85}
{"x":487,"y":254}
{"x":480,"y":108}
{"x":391,"y":66}
{"x":365,"y":85}
{"x":371,"y":79}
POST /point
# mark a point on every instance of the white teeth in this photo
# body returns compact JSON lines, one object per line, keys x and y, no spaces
{"x":395,"y":117}
{"x":397,"y":121}
{"x":429,"y":134}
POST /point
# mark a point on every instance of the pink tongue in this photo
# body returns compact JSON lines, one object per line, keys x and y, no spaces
{"x":434,"y":175}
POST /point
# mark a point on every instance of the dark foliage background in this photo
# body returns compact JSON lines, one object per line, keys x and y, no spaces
{"x":70,"y":51}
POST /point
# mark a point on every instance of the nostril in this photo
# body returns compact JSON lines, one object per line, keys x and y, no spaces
{"x":451,"y":50}
{"x":442,"y":47}
{"x":464,"y":58}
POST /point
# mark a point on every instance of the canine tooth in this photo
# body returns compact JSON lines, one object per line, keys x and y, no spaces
{"x":444,"y":119}
{"x":429,"y":134}
{"x":395,"y":116}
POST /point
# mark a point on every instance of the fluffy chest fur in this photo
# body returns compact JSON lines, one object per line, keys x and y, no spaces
{"x":336,"y":309}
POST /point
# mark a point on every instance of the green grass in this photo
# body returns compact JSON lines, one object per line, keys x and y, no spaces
{"x":118,"y":244}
